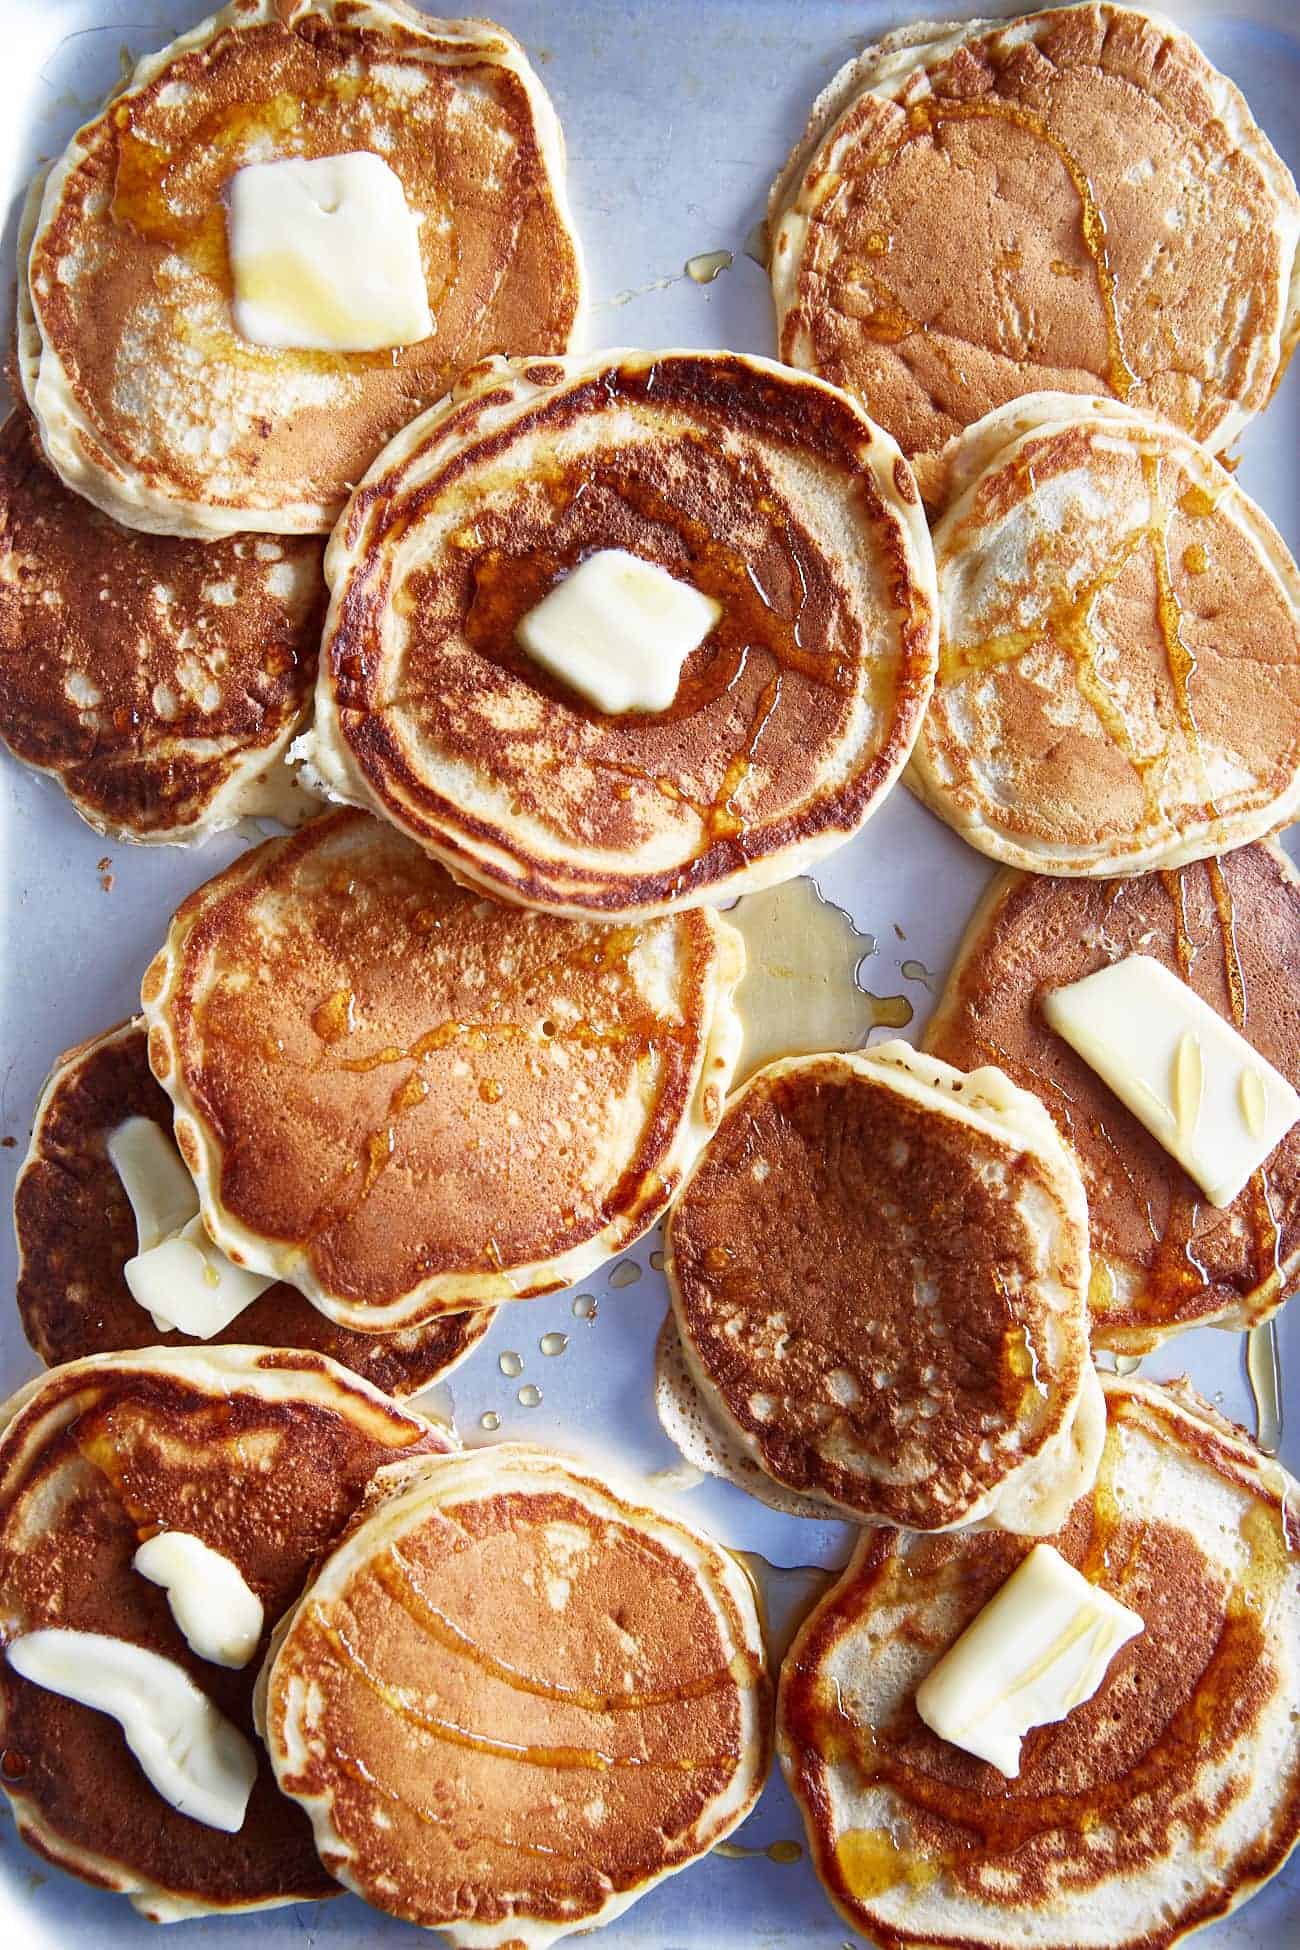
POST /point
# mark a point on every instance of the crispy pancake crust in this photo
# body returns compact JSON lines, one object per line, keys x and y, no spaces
{"x":879,"y":1270}
{"x":1156,"y":1806}
{"x":408,"y":1100}
{"x":265,"y":1456}
{"x":769,"y":491}
{"x":76,"y":1231}
{"x":514,"y":1698}
{"x":1075,"y":199}
{"x":1119,"y":671}
{"x":1162,"y":1258}
{"x":128,"y":271}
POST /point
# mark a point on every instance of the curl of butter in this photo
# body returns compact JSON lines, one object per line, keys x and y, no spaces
{"x":212,"y":1603}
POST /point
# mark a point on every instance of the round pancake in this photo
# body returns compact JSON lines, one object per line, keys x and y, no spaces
{"x":771,"y":493}
{"x":1162,"y":1259}
{"x":1074,"y":200}
{"x":128,"y":270}
{"x":513,"y":1699}
{"x":1159,"y":1804}
{"x":1119,"y":670}
{"x":264,"y":1456}
{"x":879,"y":1271}
{"x":157,"y":681}
{"x":76,"y":1231}
{"x":407,"y":1100}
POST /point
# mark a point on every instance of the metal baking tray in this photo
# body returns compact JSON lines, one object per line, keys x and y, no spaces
{"x":677,"y":114}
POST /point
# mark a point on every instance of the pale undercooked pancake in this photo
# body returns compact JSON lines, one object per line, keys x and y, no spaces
{"x":157,"y":680}
{"x":262,"y":1455}
{"x":1075,"y":199}
{"x":406,"y":1099}
{"x":1159,"y":1804}
{"x":76,"y":1231}
{"x":148,"y":400}
{"x":514,"y":1698}
{"x":1162,"y":1258}
{"x":768,"y":492}
{"x":879,"y":1271}
{"x":1119,"y":666}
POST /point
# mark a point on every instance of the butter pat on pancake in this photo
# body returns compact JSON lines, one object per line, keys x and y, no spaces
{"x":879,"y":1272}
{"x":759,"y":489}
{"x":407,"y":1099}
{"x":1119,"y":669}
{"x":1155,"y":1806}
{"x":515,"y":1697}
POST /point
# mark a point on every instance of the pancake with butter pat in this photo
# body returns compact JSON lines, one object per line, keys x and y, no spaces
{"x":879,"y":1273}
{"x":1156,"y":1806}
{"x":1119,"y":670}
{"x":264,"y":1456}
{"x":1162,"y":1258}
{"x":765,"y":491}
{"x":408,"y":1100}
{"x":516,"y":1697}
{"x":1075,"y":199}
{"x":76,"y":1231}
{"x":148,"y":400}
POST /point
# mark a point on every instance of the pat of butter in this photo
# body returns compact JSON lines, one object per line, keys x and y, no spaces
{"x":325,"y":255}
{"x":1040,"y":1647}
{"x":189,"y":1752}
{"x":189,"y":1284}
{"x":210,"y":1599}
{"x":154,"y":1178}
{"x":1215,"y":1103}
{"x":618,"y":629}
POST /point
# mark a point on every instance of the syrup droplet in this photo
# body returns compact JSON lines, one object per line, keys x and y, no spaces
{"x":1196,"y":559}
{"x":585,"y":1306}
{"x":510,"y":1363}
{"x":553,"y":1343}
{"x":332,"y":1019}
{"x":658,"y":1259}
{"x":1127,"y":1363}
{"x":489,"y":1420}
{"x":626,"y":1273}
{"x":707,"y":265}
{"x":1264,"y":1367}
{"x":491,"y":1090}
{"x":916,"y":971}
{"x":529,"y":1395}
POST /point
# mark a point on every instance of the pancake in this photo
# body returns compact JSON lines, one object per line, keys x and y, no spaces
{"x":157,"y":681}
{"x":262,"y":1455}
{"x":76,"y":1232}
{"x":512,"y":1699}
{"x":1119,"y":672}
{"x":766,"y":491}
{"x":1074,"y":200}
{"x":879,"y":1271}
{"x":407,"y":1100}
{"x":128,"y":271}
{"x":1162,"y":1259}
{"x":1158,"y":1805}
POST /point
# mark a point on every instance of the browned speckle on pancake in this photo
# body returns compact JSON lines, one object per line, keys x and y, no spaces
{"x":1162,"y":1258}
{"x":76,"y":1230}
{"x":103,"y":1455}
{"x":149,"y":676}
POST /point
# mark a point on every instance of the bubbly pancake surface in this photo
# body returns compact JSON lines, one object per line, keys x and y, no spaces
{"x":129,"y":269}
{"x":771,"y":494}
{"x":1154,"y":1807}
{"x":515,"y":1698}
{"x":262,"y":1455}
{"x":157,"y":680}
{"x":76,"y":1232}
{"x":407,"y":1099}
{"x":1074,"y":200}
{"x":878,"y":1270}
{"x":1119,"y":680}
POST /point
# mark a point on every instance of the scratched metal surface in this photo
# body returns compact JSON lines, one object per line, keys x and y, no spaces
{"x":677,"y":115}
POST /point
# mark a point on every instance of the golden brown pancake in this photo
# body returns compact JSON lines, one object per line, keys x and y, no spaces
{"x":1119,"y":669}
{"x":264,"y":1456}
{"x":76,"y":1232}
{"x":1158,"y":1805}
{"x":407,"y":1100}
{"x":879,"y":1271}
{"x":514,"y":1698}
{"x":1075,"y":199}
{"x":158,"y":681}
{"x":1162,"y":1259}
{"x":771,"y":493}
{"x":148,"y":400}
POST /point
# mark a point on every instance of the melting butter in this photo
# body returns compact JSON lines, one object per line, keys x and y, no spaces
{"x":154,"y":1178}
{"x":618,"y":629}
{"x":216,"y":1609}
